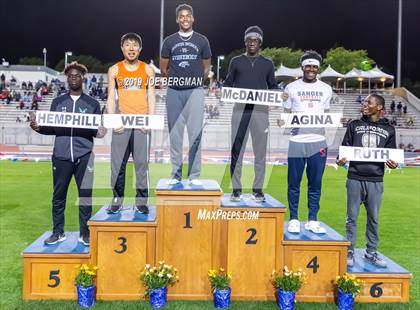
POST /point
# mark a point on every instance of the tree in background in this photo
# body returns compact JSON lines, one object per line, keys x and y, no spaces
{"x":224,"y":64}
{"x":31,"y":61}
{"x":93,"y":64}
{"x":343,"y":60}
{"x":283,"y":55}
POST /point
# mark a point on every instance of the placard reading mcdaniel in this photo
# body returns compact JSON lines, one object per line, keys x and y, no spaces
{"x":93,"y":121}
{"x":371,"y":154}
{"x":251,"y":96}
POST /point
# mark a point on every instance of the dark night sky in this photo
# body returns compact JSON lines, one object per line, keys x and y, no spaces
{"x":94,"y":27}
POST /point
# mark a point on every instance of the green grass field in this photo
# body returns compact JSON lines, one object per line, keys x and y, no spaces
{"x":25,"y":213}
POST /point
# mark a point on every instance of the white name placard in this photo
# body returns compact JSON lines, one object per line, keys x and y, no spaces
{"x":134,"y":121}
{"x":316,"y":120}
{"x":371,"y":154}
{"x":93,"y":121}
{"x":252,"y":96}
{"x":62,"y":119}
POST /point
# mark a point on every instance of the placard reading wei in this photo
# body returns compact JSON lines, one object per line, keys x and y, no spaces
{"x":134,"y":121}
{"x":318,"y":120}
{"x":371,"y":154}
{"x":252,"y":96}
{"x":74,"y":120}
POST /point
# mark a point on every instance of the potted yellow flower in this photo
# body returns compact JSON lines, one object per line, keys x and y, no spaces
{"x":287,"y":284}
{"x":220,"y":285}
{"x":156,"y":281}
{"x":85,"y":285}
{"x":348,"y":288}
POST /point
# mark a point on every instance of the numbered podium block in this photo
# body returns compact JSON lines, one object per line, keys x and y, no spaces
{"x":321,"y":256}
{"x":49,"y":271}
{"x":252,"y":236}
{"x":185,"y":239}
{"x":387,"y":285}
{"x":121,"y":245}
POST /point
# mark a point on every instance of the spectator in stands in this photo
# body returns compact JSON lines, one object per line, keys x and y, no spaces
{"x":401,"y":146}
{"x":405,"y":109}
{"x":93,"y":81}
{"x":30,"y":86}
{"x":216,"y":112}
{"x":24,"y":87}
{"x":399,"y":108}
{"x":101,"y":82}
{"x":394,"y":121}
{"x":359,"y":99}
{"x":34,"y":105}
{"x":410,"y":148}
{"x":392,"y":107}
{"x":9,"y":98}
{"x":2,"y":82}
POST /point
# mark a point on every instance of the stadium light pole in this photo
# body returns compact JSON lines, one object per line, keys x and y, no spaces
{"x":219,"y":58}
{"x":65,"y":57}
{"x":162,"y":15}
{"x":399,"y":43}
{"x":44,"y":51}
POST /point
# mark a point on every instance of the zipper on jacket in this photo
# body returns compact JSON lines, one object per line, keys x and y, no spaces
{"x":71,"y":134}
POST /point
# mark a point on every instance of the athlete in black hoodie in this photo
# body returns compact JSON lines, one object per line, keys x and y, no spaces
{"x":365,"y":179}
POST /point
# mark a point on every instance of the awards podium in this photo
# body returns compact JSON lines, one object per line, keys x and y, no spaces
{"x":197,"y":228}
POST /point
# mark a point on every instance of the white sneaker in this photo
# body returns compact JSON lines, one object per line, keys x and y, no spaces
{"x":315,"y":227}
{"x":196,"y":182}
{"x":293,"y":227}
{"x":173,"y":182}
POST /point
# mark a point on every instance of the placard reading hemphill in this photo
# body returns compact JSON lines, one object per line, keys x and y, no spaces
{"x":318,"y":120}
{"x":93,"y":121}
{"x":62,"y":119}
{"x":371,"y":154}
{"x":252,"y":96}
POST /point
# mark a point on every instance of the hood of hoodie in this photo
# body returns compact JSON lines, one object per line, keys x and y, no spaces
{"x":381,"y":121}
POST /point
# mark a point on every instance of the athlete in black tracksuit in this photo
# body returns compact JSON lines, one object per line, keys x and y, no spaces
{"x":72,"y":155}
{"x":251,"y":71}
{"x":365,"y":179}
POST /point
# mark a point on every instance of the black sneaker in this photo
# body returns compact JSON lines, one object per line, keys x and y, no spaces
{"x":350,"y":258}
{"x":84,"y":239}
{"x":375,"y":260}
{"x":236,"y":196}
{"x":142,"y":209}
{"x":115,"y":206}
{"x":258,"y":196}
{"x":55,"y":238}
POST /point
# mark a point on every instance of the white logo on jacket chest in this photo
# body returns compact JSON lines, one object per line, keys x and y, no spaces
{"x":370,"y":140}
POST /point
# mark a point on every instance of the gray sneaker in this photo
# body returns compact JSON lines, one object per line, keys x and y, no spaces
{"x":55,"y":238}
{"x":236,"y":196}
{"x":375,"y":260}
{"x":350,"y":258}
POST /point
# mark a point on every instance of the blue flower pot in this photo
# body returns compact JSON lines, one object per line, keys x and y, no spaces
{"x":286,"y":300}
{"x":158,"y":297}
{"x":345,"y":300}
{"x":86,"y":296}
{"x":221,"y":298}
